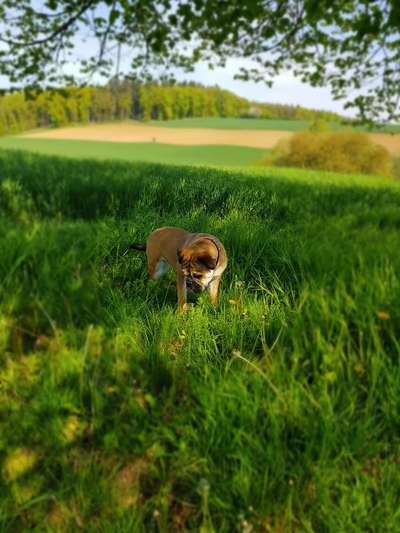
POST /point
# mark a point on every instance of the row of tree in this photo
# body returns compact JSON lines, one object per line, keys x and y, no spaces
{"x":21,"y":111}
{"x":293,"y":112}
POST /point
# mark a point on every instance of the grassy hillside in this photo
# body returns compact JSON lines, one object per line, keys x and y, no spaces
{"x":255,"y":124}
{"x":234,"y":123}
{"x":277,"y":412}
{"x":151,"y":152}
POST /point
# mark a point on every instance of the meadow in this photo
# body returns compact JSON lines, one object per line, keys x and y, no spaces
{"x":221,"y":155}
{"x":261,"y":124}
{"x":234,"y":123}
{"x":204,"y":144}
{"x":278,"y":411}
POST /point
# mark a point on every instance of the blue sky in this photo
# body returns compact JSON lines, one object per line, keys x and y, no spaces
{"x":285,"y":90}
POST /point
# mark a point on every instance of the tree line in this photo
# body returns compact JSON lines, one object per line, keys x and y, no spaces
{"x":22,"y":110}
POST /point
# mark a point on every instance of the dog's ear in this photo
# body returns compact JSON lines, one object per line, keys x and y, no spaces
{"x":208,"y":261}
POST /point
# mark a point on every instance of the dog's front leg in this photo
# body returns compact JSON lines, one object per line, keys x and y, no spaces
{"x":181,"y":290}
{"x":213,"y":289}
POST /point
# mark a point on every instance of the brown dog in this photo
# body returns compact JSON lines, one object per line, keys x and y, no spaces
{"x":199,"y":260}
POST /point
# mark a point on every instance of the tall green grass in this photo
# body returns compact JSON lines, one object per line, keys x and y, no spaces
{"x":279,"y":411}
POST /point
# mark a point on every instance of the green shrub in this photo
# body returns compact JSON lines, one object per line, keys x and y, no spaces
{"x":343,"y":151}
{"x":319,"y":125}
{"x":396,"y":168}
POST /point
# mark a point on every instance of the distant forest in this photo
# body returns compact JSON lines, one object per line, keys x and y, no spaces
{"x":21,"y":110}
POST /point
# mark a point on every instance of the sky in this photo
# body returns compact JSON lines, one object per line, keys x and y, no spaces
{"x":286,"y":88}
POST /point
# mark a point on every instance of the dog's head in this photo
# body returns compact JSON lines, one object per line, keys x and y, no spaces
{"x":198,"y":263}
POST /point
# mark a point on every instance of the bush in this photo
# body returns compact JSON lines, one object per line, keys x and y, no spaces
{"x":396,"y":168}
{"x":342,"y":151}
{"x":319,"y":125}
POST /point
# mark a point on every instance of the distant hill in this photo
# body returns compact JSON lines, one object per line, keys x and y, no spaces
{"x":20,"y":110}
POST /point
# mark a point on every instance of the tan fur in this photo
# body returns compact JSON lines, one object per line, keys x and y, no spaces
{"x":199,"y":260}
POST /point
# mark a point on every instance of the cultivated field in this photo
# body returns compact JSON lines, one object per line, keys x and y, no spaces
{"x":277,"y":412}
{"x":135,"y":132}
{"x":209,"y":134}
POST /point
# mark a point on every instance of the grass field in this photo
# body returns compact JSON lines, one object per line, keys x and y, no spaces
{"x":233,"y":123}
{"x":133,"y":140}
{"x":254,"y":124}
{"x":277,"y":412}
{"x":151,"y":152}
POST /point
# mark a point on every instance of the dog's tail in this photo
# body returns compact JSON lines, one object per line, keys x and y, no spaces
{"x":137,"y":247}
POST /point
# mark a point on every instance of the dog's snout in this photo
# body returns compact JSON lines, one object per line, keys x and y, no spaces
{"x":193,"y":285}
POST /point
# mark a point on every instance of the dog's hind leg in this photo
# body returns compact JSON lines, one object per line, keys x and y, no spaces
{"x":157,"y":268}
{"x":161,"y":268}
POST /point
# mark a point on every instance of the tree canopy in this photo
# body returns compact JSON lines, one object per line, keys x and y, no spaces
{"x":350,"y":46}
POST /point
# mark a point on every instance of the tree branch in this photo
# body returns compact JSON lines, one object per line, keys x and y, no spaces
{"x":86,"y":5}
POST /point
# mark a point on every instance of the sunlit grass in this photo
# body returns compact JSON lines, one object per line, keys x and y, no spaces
{"x":259,"y":124}
{"x":276,"y":412}
{"x":220,"y":155}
